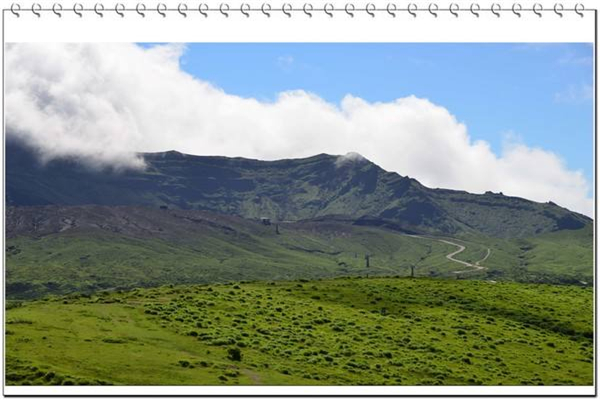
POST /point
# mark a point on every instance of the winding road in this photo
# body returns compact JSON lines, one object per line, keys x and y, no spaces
{"x":475,"y":267}
{"x":461,"y":248}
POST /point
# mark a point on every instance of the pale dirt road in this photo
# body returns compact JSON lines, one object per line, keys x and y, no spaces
{"x":461,"y":248}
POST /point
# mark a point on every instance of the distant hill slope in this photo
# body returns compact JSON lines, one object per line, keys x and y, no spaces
{"x":283,"y":190}
{"x":62,"y":249}
{"x":58,"y":249}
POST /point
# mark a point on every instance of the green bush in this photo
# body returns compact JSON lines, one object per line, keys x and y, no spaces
{"x":114,"y":340}
{"x":49,"y":376}
{"x":234,"y":354}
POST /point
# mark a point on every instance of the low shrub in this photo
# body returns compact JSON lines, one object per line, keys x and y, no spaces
{"x":114,"y":340}
{"x":234,"y":354}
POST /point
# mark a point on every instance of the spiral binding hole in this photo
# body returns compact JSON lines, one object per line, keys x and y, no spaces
{"x":391,"y":10}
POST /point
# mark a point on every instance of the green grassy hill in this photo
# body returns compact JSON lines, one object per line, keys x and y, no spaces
{"x":349,"y":331}
{"x":559,"y":257}
{"x":124,"y":247}
{"x":58,"y":250}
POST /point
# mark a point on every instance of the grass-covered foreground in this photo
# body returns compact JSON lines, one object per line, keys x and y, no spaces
{"x":348,"y":331}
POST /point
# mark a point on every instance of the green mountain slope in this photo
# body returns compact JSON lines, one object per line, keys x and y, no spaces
{"x":283,"y":190}
{"x":63,"y":249}
{"x":391,"y":331}
{"x":565,"y":256}
{"x":57,"y":249}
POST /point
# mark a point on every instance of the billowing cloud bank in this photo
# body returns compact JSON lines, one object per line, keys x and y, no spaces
{"x":104,"y":103}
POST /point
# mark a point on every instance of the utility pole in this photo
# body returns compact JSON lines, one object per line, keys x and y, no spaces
{"x":412,"y":271}
{"x":367,"y":259}
{"x":277,"y":229}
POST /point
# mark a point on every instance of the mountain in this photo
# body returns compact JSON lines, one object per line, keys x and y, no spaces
{"x":283,"y":190}
{"x":263,"y":240}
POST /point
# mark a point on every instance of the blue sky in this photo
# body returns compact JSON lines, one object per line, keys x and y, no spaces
{"x":538,"y":93}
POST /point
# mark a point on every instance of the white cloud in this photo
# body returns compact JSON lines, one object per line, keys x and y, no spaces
{"x":103,"y":103}
{"x":575,"y":94}
{"x":571,"y":59}
{"x":349,"y":158}
{"x":285,"y":62}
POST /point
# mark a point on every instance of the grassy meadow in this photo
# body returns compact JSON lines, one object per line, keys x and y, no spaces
{"x":345,"y":331}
